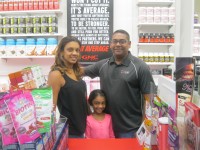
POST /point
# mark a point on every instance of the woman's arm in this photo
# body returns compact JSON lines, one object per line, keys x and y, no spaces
{"x":56,"y":81}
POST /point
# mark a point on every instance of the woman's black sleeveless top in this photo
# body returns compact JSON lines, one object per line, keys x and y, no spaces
{"x":72,"y":104}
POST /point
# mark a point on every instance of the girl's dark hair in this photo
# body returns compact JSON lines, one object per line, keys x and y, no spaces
{"x":59,"y":63}
{"x":96,"y":93}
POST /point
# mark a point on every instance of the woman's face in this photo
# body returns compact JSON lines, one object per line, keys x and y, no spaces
{"x":71,"y":53}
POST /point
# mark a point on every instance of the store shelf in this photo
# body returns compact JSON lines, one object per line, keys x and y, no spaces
{"x":155,"y":44}
{"x":155,"y":2}
{"x":196,"y":25}
{"x":159,"y":63}
{"x":20,"y":57}
{"x":30,"y":12}
{"x":31,"y":35}
{"x":156,"y":24}
{"x":26,"y":57}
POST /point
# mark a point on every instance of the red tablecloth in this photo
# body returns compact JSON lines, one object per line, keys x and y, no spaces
{"x":104,"y":144}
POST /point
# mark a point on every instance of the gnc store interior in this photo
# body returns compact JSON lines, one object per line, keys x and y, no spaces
{"x":165,"y":34}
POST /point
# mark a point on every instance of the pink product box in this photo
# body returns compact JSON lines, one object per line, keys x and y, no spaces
{"x":189,"y":106}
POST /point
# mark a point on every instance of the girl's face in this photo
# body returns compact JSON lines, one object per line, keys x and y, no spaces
{"x":99,"y":104}
{"x":71,"y":53}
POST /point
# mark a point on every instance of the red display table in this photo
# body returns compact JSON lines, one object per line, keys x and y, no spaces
{"x":104,"y":144}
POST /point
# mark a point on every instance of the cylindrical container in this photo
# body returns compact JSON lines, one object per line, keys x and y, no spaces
{"x":46,"y":5}
{"x":26,"y":3}
{"x":10,"y":47}
{"x":163,"y":133}
{"x":157,"y":18}
{"x":150,"y":11}
{"x":156,"y":57}
{"x":30,"y":46}
{"x":196,"y":19}
{"x":51,"y":4}
{"x":146,"y":57}
{"x":157,"y":11}
{"x":161,"y":57}
{"x":142,"y":19}
{"x":172,"y":11}
{"x":56,"y":4}
{"x":21,"y":5}
{"x":167,"y":57}
{"x":140,"y":55}
{"x":150,"y":18}
{"x":16,"y":5}
{"x":2,"y":47}
{"x":20,"y":47}
{"x":171,"y":57}
{"x":41,"y":5}
{"x":164,"y":11}
{"x":165,"y":19}
{"x":41,"y":46}
{"x":142,"y":11}
{"x":1,"y":5}
{"x":51,"y":46}
{"x":172,"y":19}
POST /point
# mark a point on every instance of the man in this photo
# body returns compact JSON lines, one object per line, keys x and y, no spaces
{"x":124,"y":78}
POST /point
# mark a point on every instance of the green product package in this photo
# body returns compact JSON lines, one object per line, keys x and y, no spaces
{"x":43,"y":98}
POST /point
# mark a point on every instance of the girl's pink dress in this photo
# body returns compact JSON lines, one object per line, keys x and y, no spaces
{"x":99,"y":129}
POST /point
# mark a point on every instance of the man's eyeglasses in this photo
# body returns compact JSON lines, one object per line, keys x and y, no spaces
{"x":122,"y":41}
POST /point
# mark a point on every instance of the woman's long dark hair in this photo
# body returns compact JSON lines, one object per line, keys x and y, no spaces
{"x":59,"y":63}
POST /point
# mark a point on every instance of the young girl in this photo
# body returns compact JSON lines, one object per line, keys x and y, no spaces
{"x":99,"y":124}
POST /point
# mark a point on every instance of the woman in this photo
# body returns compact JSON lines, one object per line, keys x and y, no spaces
{"x":69,"y":90}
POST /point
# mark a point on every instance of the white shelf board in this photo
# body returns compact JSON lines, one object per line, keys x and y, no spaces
{"x":31,"y":35}
{"x":196,"y":25}
{"x":31,"y":12}
{"x":155,"y":44}
{"x":159,"y":63}
{"x":156,"y":24}
{"x":155,"y":2}
{"x":25,"y":57}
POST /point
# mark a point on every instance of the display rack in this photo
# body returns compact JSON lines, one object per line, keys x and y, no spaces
{"x":155,"y":27}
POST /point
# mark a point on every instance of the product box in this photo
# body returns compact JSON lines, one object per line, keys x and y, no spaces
{"x":184,"y":82}
{"x":195,"y":110}
{"x":192,"y":123}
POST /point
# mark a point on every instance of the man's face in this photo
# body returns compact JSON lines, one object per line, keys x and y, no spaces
{"x":120,"y":45}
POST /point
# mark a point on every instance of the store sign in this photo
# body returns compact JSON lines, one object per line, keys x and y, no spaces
{"x":91,"y":21}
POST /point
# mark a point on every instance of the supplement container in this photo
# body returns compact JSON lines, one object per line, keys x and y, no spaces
{"x":20,"y":47}
{"x":140,"y":55}
{"x":142,"y":11}
{"x":2,"y":47}
{"x":10,"y":47}
{"x":30,"y":46}
{"x":41,"y":46}
{"x":196,"y":19}
{"x":51,"y":46}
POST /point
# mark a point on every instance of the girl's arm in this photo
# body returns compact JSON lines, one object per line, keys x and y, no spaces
{"x":111,"y":133}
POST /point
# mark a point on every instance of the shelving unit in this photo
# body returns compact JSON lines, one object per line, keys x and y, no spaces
{"x":155,"y":27}
{"x":28,"y":13}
